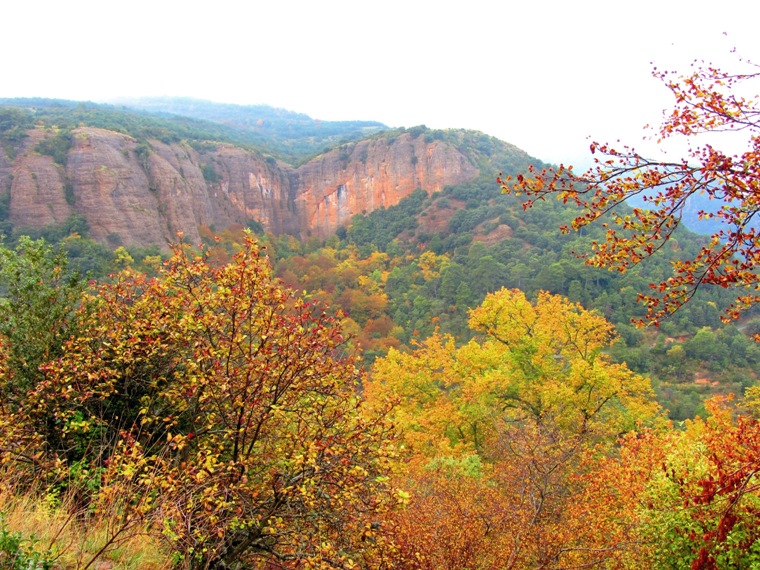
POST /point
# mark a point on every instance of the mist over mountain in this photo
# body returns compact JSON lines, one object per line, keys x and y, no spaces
{"x":287,"y":132}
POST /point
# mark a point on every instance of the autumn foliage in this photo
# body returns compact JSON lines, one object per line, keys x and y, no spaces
{"x":528,"y":448}
{"x":708,"y":101}
{"x":216,"y":411}
{"x":686,"y":498}
{"x":226,"y":409}
{"x":228,"y":418}
{"x":502,"y":437}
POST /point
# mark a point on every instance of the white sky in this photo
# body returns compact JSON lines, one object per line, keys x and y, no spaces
{"x":543,"y":75}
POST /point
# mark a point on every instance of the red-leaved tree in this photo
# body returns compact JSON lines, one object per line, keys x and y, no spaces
{"x":707,"y":101}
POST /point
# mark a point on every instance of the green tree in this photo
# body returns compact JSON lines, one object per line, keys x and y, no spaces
{"x":38,"y":298}
{"x":56,"y":146}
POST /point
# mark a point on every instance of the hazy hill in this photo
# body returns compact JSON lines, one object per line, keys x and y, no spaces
{"x":291,"y":134}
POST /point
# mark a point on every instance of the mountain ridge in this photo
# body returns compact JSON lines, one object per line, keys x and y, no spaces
{"x":140,"y":183}
{"x":287,"y":132}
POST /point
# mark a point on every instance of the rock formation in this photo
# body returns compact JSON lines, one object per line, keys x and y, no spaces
{"x":144,"y":194}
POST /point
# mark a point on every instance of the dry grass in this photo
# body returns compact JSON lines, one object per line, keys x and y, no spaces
{"x":76,"y":540}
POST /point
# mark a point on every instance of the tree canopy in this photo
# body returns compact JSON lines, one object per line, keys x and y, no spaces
{"x":499,"y":435}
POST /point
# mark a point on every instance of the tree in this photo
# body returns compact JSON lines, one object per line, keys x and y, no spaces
{"x":691,"y":496}
{"x":224,"y":403}
{"x":38,"y":297}
{"x":708,"y":101}
{"x":545,"y":359}
{"x":456,"y":517}
{"x":532,"y":403}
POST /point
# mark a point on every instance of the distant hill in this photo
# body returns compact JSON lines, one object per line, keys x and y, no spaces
{"x":292,"y":134}
{"x":690,"y":215}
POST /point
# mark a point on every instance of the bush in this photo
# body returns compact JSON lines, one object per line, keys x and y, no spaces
{"x":218,"y":397}
{"x":209,"y":174}
{"x":57,"y":146}
{"x":19,"y":553}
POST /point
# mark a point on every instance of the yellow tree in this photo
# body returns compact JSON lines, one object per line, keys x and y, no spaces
{"x":533,"y":403}
{"x":544,"y":361}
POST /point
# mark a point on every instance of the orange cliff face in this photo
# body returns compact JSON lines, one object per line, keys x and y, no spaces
{"x":35,"y":184}
{"x":372,"y":174}
{"x":136,"y":197}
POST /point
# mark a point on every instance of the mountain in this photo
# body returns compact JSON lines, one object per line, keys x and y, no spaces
{"x":139,"y":179}
{"x":417,"y":229}
{"x":287,"y":133}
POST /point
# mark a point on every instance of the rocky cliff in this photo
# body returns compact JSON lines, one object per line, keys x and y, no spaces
{"x":141,"y":194}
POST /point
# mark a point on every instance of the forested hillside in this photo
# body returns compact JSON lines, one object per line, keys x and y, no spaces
{"x":439,"y":381}
{"x":404,"y":271}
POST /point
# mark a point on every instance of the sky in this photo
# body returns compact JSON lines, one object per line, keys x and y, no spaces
{"x":546,"y":76}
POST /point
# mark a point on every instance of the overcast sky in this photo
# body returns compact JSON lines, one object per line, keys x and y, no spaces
{"x":544,"y":76}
